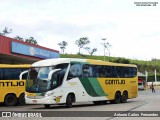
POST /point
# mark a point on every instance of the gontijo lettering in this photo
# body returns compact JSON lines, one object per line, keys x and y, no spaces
{"x":11,"y":83}
{"x":111,"y":82}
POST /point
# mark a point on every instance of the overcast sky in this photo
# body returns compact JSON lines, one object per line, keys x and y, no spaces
{"x":133,"y":31}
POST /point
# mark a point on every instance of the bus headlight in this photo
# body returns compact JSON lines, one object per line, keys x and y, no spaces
{"x":49,"y":93}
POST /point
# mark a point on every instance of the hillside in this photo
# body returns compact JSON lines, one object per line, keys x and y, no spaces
{"x":150,"y":66}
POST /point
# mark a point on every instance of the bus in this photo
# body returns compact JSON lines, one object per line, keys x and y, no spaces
{"x":11,"y":88}
{"x":141,"y":84}
{"x":70,"y":80}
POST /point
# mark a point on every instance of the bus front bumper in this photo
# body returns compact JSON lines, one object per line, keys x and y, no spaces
{"x":44,"y":100}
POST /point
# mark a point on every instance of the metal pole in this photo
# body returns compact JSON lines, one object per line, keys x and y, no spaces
{"x":155,"y":75}
{"x":104,"y":46}
{"x":146,"y":74}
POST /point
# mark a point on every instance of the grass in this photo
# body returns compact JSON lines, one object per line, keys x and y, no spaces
{"x":142,"y":65}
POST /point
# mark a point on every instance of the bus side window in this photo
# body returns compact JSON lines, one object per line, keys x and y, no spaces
{"x":1,"y":74}
{"x":60,"y":76}
{"x":119,"y":71}
{"x":24,"y":75}
{"x":95,"y":71}
{"x":87,"y":70}
{"x":113,"y":72}
{"x":54,"y":79}
{"x":133,"y":71}
{"x":75,"y":71}
{"x":126,"y":72}
{"x":103,"y":71}
{"x":11,"y":73}
{"x":108,"y":73}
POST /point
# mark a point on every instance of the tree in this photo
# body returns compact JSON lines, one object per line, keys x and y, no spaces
{"x":18,"y":38}
{"x":63,"y":45}
{"x":82,"y":42}
{"x":31,"y":40}
{"x":91,"y":51}
{"x":6,"y":31}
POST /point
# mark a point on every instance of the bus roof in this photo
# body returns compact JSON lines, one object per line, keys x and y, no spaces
{"x":15,"y":65}
{"x":55,"y":61}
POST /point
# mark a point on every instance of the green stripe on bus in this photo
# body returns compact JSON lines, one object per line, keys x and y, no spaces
{"x":97,"y":87}
{"x":88,"y":87}
{"x":92,"y":87}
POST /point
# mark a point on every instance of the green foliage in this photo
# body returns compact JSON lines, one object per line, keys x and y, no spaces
{"x":63,"y":45}
{"x":151,"y":78}
{"x":84,"y":56}
{"x":121,"y":60}
{"x":6,"y":31}
{"x":31,"y":40}
{"x":91,"y":51}
{"x":18,"y":38}
{"x":150,"y":66}
{"x":82,"y":42}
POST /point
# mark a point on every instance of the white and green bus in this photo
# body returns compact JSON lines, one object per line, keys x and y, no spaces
{"x":69,"y":80}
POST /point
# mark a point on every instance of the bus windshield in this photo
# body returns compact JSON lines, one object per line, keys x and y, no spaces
{"x":37,"y":80}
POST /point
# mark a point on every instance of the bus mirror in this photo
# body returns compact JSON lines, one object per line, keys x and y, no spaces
{"x":22,"y":73}
{"x":51,"y":73}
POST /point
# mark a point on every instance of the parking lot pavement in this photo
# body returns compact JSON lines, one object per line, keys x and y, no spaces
{"x":146,"y":101}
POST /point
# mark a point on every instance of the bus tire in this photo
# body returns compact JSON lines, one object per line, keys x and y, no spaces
{"x":21,"y":99}
{"x":117,"y":98}
{"x":10,"y":100}
{"x":69,"y":101}
{"x":46,"y":105}
{"x":124,"y":97}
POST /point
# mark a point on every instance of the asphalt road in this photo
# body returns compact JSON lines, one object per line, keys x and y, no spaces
{"x":146,"y":101}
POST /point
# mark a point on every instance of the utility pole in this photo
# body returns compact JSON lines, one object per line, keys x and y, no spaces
{"x":104,"y":46}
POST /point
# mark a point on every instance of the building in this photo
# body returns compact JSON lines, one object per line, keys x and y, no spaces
{"x":18,"y":52}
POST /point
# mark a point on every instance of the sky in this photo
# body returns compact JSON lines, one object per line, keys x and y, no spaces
{"x":132,"y":31}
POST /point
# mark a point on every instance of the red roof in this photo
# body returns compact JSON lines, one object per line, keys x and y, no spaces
{"x":5,"y":47}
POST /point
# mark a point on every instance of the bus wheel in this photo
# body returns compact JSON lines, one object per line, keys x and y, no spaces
{"x":124,"y":97}
{"x":117,"y":98}
{"x":69,"y":101}
{"x":47,"y":106}
{"x":10,"y":100}
{"x":21,"y":99}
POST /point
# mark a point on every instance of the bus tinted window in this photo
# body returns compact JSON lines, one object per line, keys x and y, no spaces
{"x":87,"y":70}
{"x":126,"y":72}
{"x":57,"y":77}
{"x":61,"y":73}
{"x":133,"y":71}
{"x":25,"y":75}
{"x":95,"y":70}
{"x":1,"y":74}
{"x":119,"y":71}
{"x":113,"y":72}
{"x":101,"y":71}
{"x":11,"y":73}
{"x":108,"y":72}
{"x":75,"y":70}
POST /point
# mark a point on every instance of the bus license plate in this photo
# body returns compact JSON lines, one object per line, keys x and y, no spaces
{"x":34,"y":101}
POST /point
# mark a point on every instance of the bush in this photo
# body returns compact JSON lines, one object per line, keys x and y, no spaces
{"x":121,"y":60}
